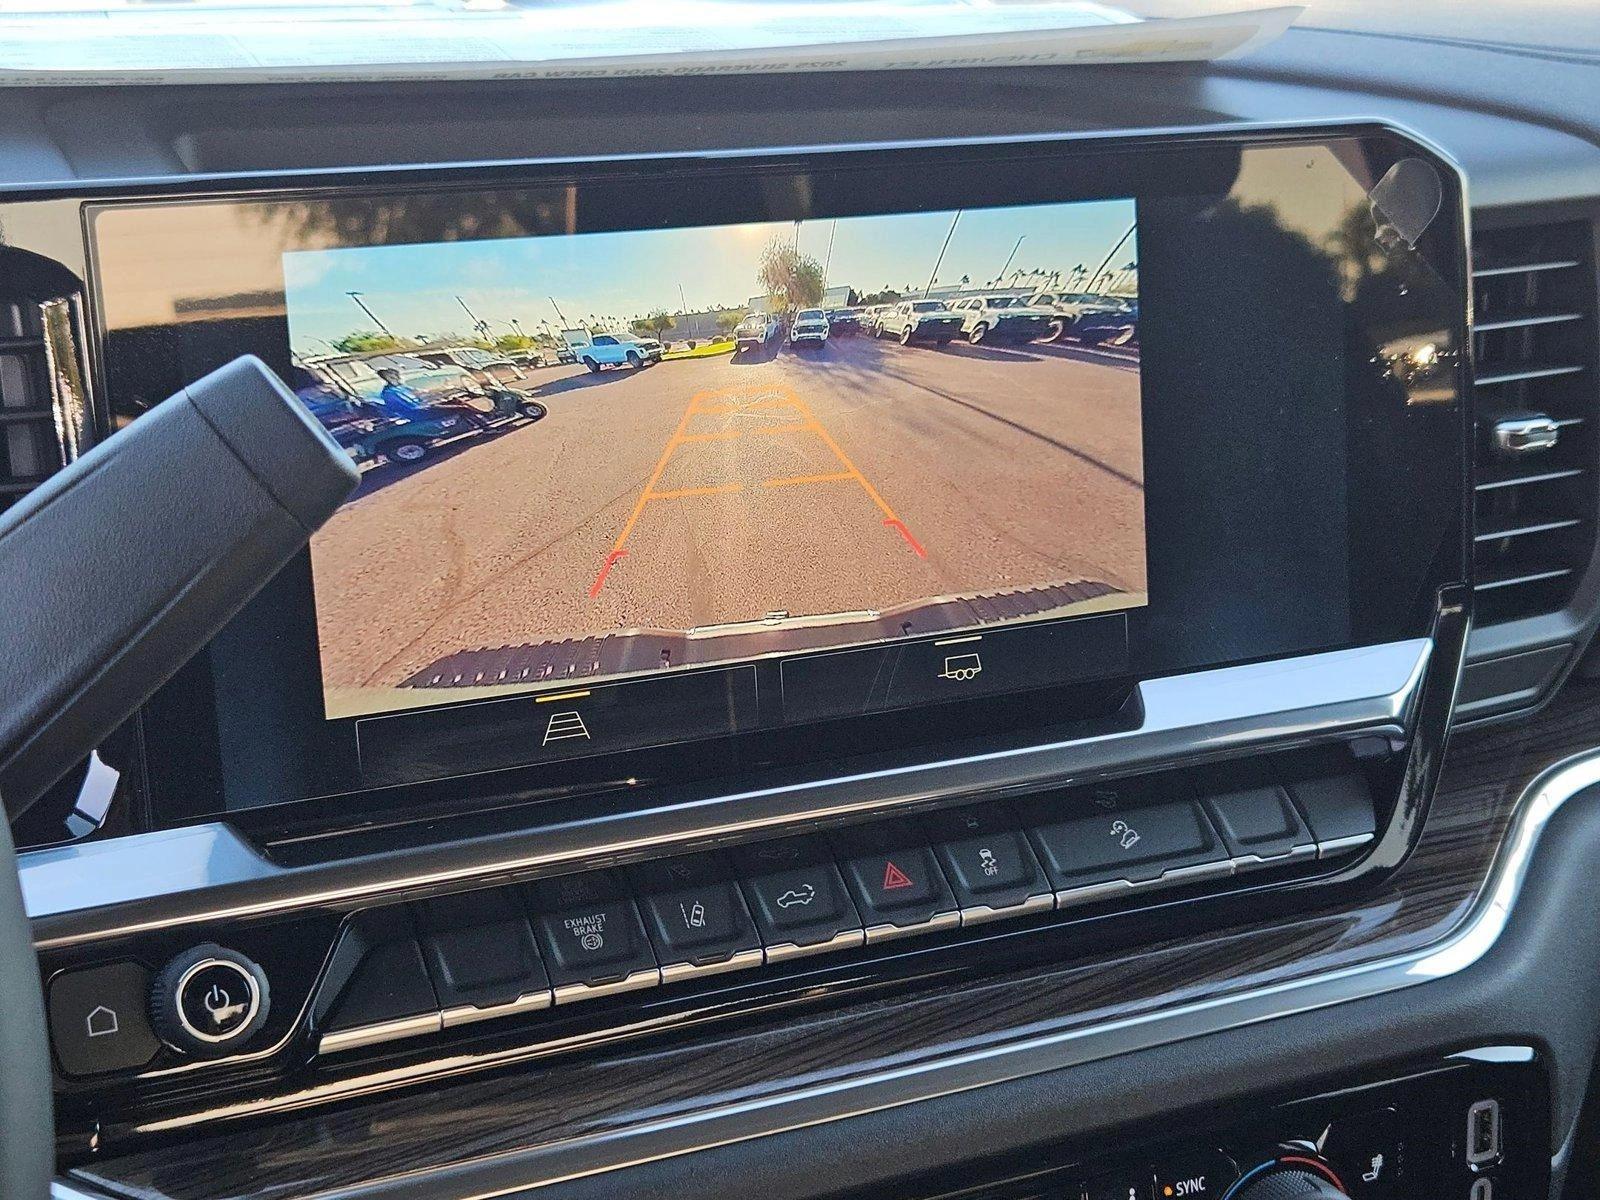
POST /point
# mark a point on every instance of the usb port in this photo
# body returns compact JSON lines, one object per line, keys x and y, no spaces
{"x":1483,"y":1132}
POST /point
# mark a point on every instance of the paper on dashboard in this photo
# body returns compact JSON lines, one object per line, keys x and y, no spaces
{"x":626,"y":39}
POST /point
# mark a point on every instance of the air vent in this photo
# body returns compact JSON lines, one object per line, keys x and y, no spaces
{"x":1537,"y":407}
{"x":45,"y":417}
{"x":27,"y":421}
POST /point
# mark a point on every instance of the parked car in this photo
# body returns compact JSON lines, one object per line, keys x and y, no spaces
{"x":1003,"y":319}
{"x":919,"y":321}
{"x":1071,"y":307}
{"x":809,"y":327}
{"x":755,"y":331}
{"x":871,"y":316}
{"x":620,"y":349}
{"x":845,"y":320}
{"x":1108,"y":327}
{"x":473,"y":358}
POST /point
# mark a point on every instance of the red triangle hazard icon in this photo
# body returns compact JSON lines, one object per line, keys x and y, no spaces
{"x":894,"y":878}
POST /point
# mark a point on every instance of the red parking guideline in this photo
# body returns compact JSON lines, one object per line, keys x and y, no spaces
{"x":605,"y":569}
{"x":899,"y":527}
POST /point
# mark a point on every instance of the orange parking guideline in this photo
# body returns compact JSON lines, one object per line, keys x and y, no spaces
{"x":703,"y":403}
{"x":716,"y":489}
{"x":655,"y":475}
{"x":836,"y":477}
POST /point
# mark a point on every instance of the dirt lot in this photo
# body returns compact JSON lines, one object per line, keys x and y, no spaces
{"x":856,"y":476}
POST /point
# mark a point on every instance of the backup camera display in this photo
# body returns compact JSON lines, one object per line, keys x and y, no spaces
{"x":596,"y":456}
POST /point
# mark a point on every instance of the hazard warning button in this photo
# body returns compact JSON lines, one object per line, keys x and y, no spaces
{"x":894,"y":880}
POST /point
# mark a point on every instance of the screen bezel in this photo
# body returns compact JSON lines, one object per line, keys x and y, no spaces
{"x":187,"y":770}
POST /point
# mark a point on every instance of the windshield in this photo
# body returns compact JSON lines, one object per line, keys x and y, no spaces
{"x":926,"y":306}
{"x":251,"y":40}
{"x":1003,"y":302}
{"x":1554,"y":24}
{"x":809,"y":314}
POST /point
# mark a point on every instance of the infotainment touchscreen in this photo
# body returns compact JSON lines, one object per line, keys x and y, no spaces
{"x":599,"y":455}
{"x":723,"y":466}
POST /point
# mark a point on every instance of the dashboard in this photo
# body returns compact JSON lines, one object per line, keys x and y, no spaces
{"x":1031,"y":646}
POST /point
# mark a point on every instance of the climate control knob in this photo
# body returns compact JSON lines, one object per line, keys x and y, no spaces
{"x":209,"y":1001}
{"x":1291,"y":1177}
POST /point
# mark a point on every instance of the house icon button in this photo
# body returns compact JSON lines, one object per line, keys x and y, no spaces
{"x":102,"y":1022}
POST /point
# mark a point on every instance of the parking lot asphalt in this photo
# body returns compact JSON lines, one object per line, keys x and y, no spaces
{"x":856,"y":476}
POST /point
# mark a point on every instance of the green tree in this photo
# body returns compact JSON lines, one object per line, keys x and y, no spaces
{"x":369,"y":341}
{"x":793,"y":279}
{"x":657,"y":322}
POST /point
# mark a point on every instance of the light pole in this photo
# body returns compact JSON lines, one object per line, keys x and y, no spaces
{"x":1109,"y":256}
{"x":827,"y":262}
{"x":1020,"y":239}
{"x":372,"y":316}
{"x":559,"y":313}
{"x":478,"y":322}
{"x":949,"y":233}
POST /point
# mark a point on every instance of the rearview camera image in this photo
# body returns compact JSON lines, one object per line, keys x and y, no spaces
{"x":601,"y":455}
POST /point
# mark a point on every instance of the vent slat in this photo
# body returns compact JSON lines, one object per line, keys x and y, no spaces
{"x":1506,"y":373}
{"x":1494,"y":583}
{"x":1516,"y":531}
{"x":1490,"y":485}
{"x":1525,"y":321}
{"x":1527,"y":268}
{"x":1535,"y":338}
{"x":22,"y":415}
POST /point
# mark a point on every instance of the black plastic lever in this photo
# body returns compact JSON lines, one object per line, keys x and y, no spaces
{"x":118,"y":569}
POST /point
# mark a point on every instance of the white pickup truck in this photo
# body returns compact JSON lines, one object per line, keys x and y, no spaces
{"x":613,"y":349}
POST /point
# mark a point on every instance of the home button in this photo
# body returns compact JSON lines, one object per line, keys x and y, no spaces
{"x":97,"y":1019}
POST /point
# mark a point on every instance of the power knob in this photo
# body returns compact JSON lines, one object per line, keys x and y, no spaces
{"x":209,"y":1001}
{"x":1290,"y":1177}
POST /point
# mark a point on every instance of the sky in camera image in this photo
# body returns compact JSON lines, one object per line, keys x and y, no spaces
{"x":615,"y":277}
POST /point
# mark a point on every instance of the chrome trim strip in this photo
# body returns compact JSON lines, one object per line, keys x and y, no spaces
{"x":850,"y":939}
{"x":648,"y":978}
{"x":977,"y":914}
{"x":383,"y":1031}
{"x":1339,"y":845}
{"x":1091,"y":892}
{"x":208,"y":873}
{"x":467,"y":1014}
{"x":885,"y":932}
{"x":668,"y":1137}
{"x":1254,"y":862}
{"x":673,"y":972}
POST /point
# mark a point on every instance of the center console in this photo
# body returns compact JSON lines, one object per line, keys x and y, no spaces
{"x":777,"y":581}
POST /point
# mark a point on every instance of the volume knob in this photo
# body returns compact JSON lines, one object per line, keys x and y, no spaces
{"x":1289,"y":1178}
{"x":209,"y":1001}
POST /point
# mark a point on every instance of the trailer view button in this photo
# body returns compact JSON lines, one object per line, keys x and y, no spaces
{"x":566,"y":723}
{"x":1009,"y":659}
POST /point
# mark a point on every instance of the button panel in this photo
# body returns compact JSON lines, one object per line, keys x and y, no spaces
{"x":412,"y":969}
{"x":579,"y":937}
